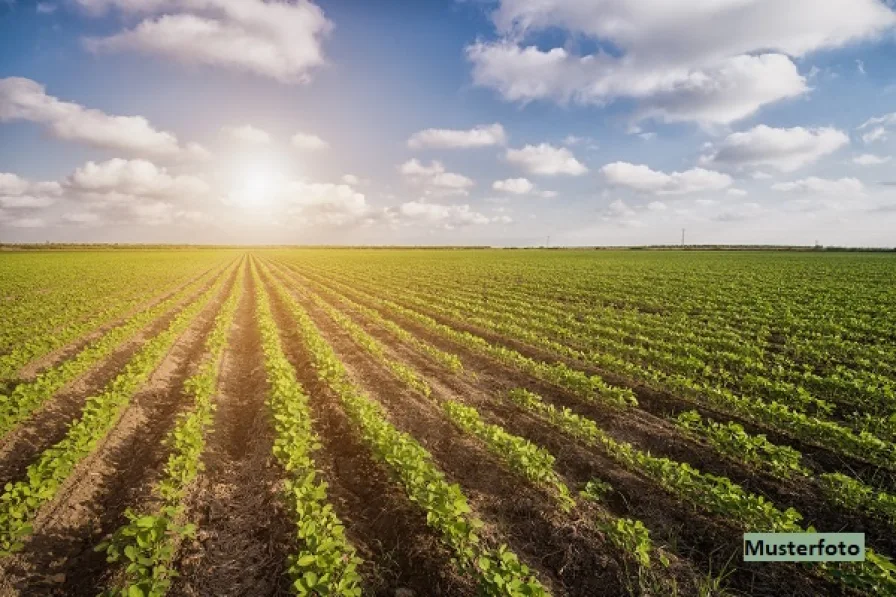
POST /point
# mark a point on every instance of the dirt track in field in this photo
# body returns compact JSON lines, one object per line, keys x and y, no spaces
{"x":697,"y":537}
{"x":244,"y":534}
{"x":59,"y":559}
{"x":49,"y":423}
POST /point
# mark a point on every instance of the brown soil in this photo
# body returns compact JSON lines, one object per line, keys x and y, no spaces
{"x":244,"y":534}
{"x":49,"y":423}
{"x":59,"y":559}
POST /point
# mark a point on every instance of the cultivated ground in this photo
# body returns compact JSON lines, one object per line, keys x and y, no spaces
{"x":422,"y":422}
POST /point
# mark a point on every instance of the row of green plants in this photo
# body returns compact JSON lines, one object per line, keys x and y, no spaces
{"x":589,"y":387}
{"x":717,"y":495}
{"x":732,"y":440}
{"x":852,"y":494}
{"x":771,"y":414}
{"x":26,"y":397}
{"x":325,"y":562}
{"x":56,"y":300}
{"x":20,"y":501}
{"x":449,"y":361}
{"x":497,"y":569}
{"x":653,"y":360}
{"x":524,"y":458}
{"x":146,"y":545}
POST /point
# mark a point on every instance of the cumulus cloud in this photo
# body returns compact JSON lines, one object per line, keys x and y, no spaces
{"x":517,"y":186}
{"x":247,"y":134}
{"x":869,"y":159}
{"x":24,"y":99}
{"x":118,"y":179}
{"x":280,"y":40}
{"x":745,"y":211}
{"x":784,"y":149}
{"x":545,"y":159}
{"x":878,"y":133}
{"x":307,"y":141}
{"x":483,"y":135}
{"x":641,"y":178}
{"x":443,"y":216}
{"x":737,"y":192}
{"x":434,"y":178}
{"x":326,"y":203}
{"x":815,"y":185}
{"x":708,"y":62}
{"x":21,"y":195}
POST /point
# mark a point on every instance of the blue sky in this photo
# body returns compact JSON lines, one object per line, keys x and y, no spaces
{"x":594,"y":122}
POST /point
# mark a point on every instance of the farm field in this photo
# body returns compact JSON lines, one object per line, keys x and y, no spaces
{"x":443,"y":422}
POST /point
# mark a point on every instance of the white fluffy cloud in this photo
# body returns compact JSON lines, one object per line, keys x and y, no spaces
{"x":119,"y":179}
{"x":869,"y":159}
{"x":878,"y":133}
{"x":246,"y":133}
{"x":443,"y":216}
{"x":517,"y":186}
{"x":480,"y":136}
{"x":822,"y":186}
{"x":434,"y":177}
{"x":545,"y":159}
{"x":641,"y":178}
{"x":784,"y":149}
{"x":24,"y":99}
{"x":280,"y":40}
{"x":308,"y":142}
{"x":326,"y":203}
{"x":707,"y":61}
{"x":17,"y":193}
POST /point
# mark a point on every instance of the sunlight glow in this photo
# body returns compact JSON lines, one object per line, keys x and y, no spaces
{"x":258,"y":186}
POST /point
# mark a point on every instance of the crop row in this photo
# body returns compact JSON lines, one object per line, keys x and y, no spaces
{"x":498,"y":570}
{"x":147,"y":544}
{"x":717,"y":495}
{"x":777,"y":416}
{"x":28,"y":396}
{"x":326,"y":563}
{"x":21,"y":500}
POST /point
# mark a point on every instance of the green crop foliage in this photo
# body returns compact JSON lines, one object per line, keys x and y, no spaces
{"x":732,"y":440}
{"x":21,"y":500}
{"x":325,"y":563}
{"x":147,"y":544}
{"x":498,"y":570}
{"x":717,"y":495}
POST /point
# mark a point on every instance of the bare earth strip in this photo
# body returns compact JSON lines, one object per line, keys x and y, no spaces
{"x":244,"y":534}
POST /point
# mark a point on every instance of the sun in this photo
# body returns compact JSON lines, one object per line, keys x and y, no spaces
{"x":257,"y":185}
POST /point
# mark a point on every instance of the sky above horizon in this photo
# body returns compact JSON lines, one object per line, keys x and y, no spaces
{"x":506,"y":122}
